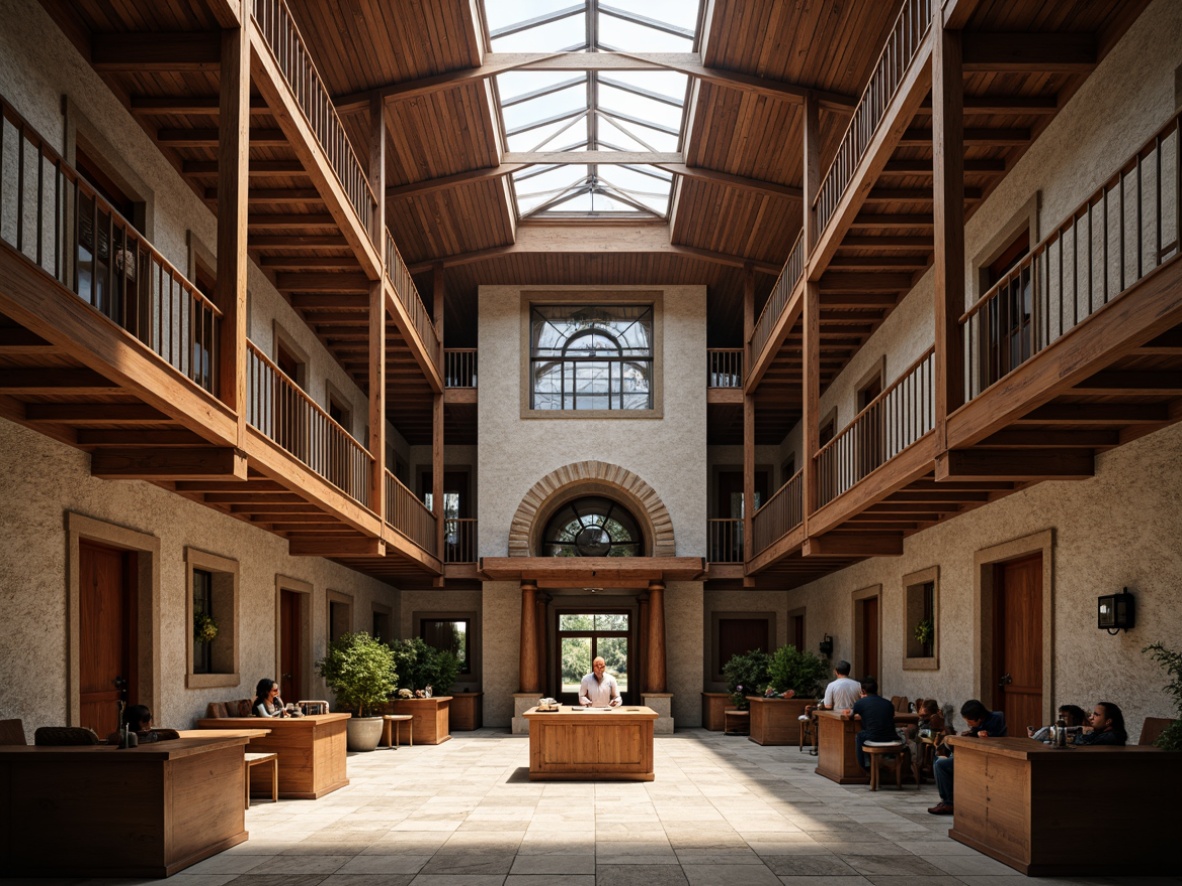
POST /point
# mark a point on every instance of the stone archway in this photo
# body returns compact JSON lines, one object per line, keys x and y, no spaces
{"x":591,"y":478}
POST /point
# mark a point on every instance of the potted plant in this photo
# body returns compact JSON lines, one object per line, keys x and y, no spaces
{"x":795,"y":676}
{"x":746,"y":674}
{"x":1171,"y":737}
{"x":426,"y":676}
{"x":360,"y":672}
{"x":924,"y":632}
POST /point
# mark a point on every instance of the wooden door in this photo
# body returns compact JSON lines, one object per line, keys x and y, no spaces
{"x":867,"y":657}
{"x":1017,"y":633}
{"x":291,"y":645}
{"x":107,"y":635}
{"x":796,"y":631}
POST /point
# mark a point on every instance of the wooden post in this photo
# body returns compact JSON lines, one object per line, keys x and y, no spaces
{"x":437,"y":460}
{"x":233,"y":190}
{"x":654,"y":672}
{"x":529,"y":638}
{"x":748,"y":419}
{"x":377,"y":313}
{"x":811,"y":314}
{"x":812,"y":169}
{"x":948,"y":214}
{"x":540,"y":602}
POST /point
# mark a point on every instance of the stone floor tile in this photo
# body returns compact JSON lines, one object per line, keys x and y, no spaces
{"x":388,"y":879}
{"x":729,"y":875}
{"x":958,"y":865}
{"x":808,"y":866}
{"x":827,"y":881}
{"x":640,"y":875}
{"x":467,"y":861}
{"x":546,"y":880}
{"x":564,"y":864}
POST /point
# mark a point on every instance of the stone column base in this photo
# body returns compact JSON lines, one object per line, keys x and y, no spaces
{"x":522,"y":702}
{"x":662,"y":703}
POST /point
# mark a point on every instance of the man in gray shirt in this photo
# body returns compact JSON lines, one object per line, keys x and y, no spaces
{"x":599,"y":688}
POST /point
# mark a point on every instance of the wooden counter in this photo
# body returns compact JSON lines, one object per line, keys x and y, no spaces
{"x":837,"y":756}
{"x":467,"y":711}
{"x":591,"y":744}
{"x":1090,"y":811}
{"x":101,"y":811}
{"x":774,"y":720}
{"x":714,"y":705}
{"x":311,"y":752}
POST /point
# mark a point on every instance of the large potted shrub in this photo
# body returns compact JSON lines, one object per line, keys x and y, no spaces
{"x":794,"y":678}
{"x":746,"y":674}
{"x":360,"y":672}
{"x":421,"y":666}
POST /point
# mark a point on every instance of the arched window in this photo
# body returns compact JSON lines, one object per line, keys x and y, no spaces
{"x":592,"y":527}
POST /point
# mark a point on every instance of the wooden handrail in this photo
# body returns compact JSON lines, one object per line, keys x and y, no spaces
{"x":724,"y":367}
{"x":90,"y":248}
{"x":409,"y":516}
{"x":777,"y":301}
{"x":286,"y":415}
{"x":281,"y":34}
{"x":1053,"y":289}
{"x":459,"y":367}
{"x":899,"y":50}
{"x":459,"y":536}
{"x":724,"y":540}
{"x":779,"y":515}
{"x":408,"y":294}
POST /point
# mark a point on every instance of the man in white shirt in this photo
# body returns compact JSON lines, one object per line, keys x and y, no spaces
{"x":843,"y":692}
{"x":599,"y":689}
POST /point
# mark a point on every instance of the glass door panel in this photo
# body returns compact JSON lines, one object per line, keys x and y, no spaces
{"x":576,"y":663}
{"x":615,"y":654}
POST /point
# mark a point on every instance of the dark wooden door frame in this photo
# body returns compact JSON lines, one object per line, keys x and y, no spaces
{"x":862,"y":667}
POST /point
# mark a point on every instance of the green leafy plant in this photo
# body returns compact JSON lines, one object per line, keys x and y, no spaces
{"x":1171,"y":662}
{"x":359,"y":670}
{"x":798,"y":670}
{"x":746,"y":674}
{"x":205,"y":629}
{"x":421,"y":665}
{"x":924,"y":631}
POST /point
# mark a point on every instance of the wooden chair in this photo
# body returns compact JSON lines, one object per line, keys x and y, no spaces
{"x":64,"y":736}
{"x":12,"y":732}
{"x":258,"y":759}
{"x":1150,"y":731}
{"x":878,"y":751}
{"x":736,"y":722}
{"x":900,"y":703}
{"x":807,"y":734}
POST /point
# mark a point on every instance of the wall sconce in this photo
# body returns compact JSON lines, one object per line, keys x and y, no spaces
{"x":1115,"y":612}
{"x":827,"y":646}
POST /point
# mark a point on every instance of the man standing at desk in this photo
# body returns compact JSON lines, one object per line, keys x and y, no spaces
{"x":599,"y":689}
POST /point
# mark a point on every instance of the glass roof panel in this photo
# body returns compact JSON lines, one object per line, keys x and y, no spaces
{"x":552,"y":111}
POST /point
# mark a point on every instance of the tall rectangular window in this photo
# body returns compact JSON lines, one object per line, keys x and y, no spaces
{"x":591,"y":357}
{"x":202,"y":609}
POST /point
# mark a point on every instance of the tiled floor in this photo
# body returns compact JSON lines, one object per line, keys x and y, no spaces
{"x":722,"y":812}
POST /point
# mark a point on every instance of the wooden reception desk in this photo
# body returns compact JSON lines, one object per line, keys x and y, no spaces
{"x":102,"y":811}
{"x":836,"y":752}
{"x":1090,"y":811}
{"x":311,"y":752}
{"x":591,"y":744}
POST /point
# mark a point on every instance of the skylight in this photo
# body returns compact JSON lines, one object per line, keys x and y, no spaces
{"x":638,"y":112}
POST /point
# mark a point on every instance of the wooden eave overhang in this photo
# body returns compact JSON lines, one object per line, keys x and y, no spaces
{"x":600,"y":572}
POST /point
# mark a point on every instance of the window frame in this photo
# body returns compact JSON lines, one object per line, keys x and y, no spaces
{"x":224,"y":661}
{"x":472,"y":675}
{"x":914,"y":605}
{"x":714,"y":664}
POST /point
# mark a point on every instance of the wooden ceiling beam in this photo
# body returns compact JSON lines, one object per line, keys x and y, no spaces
{"x":1097,"y":414}
{"x":332,"y":547}
{"x":137,"y":53}
{"x":1130,"y":383}
{"x":147,"y":438}
{"x":44,"y":381}
{"x":257,"y":167}
{"x":297,"y":242}
{"x":318,"y":301}
{"x":837,"y":281}
{"x":1030,"y":439}
{"x":908,"y":166}
{"x":1025,"y":465}
{"x":207,"y":137}
{"x":875,"y":221}
{"x":186,"y":105}
{"x":1065,"y":53}
{"x":16,"y":340}
{"x":742,"y":182}
{"x":891,"y":243}
{"x":136,"y":463}
{"x":979,"y":137}
{"x":273,"y":195}
{"x":1005,"y":104}
{"x":288,"y":220}
{"x":95,"y":413}
{"x":854,"y":546}
{"x":913,"y":195}
{"x":343,"y":283}
{"x":592,"y":158}
{"x":877,"y":263}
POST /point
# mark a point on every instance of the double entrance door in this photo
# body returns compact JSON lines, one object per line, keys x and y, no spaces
{"x":584,"y":636}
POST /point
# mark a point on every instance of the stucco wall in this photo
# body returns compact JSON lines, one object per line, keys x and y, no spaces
{"x":668,"y":453}
{"x":42,"y":481}
{"x":501,"y":636}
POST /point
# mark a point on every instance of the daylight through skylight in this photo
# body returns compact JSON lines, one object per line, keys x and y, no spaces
{"x":634,"y":112}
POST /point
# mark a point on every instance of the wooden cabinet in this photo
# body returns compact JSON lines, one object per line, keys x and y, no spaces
{"x":713,"y":706}
{"x":1087,"y":811}
{"x":431,"y":717}
{"x":774,"y":720}
{"x":311,"y":752}
{"x":576,"y":744}
{"x":467,"y":711}
{"x":101,"y":811}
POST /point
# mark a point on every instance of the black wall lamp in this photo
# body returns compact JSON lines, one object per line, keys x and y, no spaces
{"x":1116,"y":612}
{"x":827,"y":646}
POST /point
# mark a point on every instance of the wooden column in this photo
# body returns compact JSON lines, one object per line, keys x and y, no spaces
{"x":654,"y":671}
{"x":233,"y":190}
{"x":948,"y":213}
{"x":377,"y":312}
{"x":811,"y":313}
{"x":437,"y":461}
{"x":748,"y":419}
{"x":540,"y":602}
{"x":529,"y":638}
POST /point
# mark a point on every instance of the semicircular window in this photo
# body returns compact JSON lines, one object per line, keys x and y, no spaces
{"x":592,"y":527}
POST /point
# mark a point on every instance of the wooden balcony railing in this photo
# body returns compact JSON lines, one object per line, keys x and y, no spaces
{"x":51,"y":215}
{"x":408,"y":294}
{"x":782,"y":513}
{"x":459,"y":540}
{"x":778,"y":300}
{"x":408,"y":515}
{"x":278,"y":409}
{"x":724,"y":543}
{"x":724,"y":368}
{"x":891,"y":422}
{"x":459,"y":367}
{"x":1128,"y":227}
{"x":279,"y":31}
{"x":900,"y":50}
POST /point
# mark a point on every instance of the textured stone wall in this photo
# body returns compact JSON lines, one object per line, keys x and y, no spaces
{"x":501,"y":636}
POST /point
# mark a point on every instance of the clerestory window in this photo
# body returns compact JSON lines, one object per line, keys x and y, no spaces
{"x":591,"y":357}
{"x":592,"y":527}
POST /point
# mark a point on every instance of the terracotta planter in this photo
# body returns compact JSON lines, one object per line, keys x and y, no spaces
{"x":431,"y":717}
{"x":774,"y":720}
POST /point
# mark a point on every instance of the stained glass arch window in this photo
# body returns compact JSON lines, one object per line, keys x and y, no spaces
{"x":593,"y":526}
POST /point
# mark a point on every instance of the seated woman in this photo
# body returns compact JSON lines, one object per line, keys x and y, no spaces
{"x":1106,"y":726}
{"x":1071,"y":714}
{"x":267,"y":702}
{"x":928,"y":731}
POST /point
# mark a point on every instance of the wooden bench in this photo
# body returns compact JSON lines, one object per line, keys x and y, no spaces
{"x":391,"y":728}
{"x":736,"y":722}
{"x":258,"y":759}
